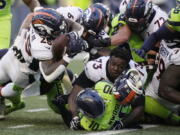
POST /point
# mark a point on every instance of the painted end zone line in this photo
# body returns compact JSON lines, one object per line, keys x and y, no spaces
{"x":119,"y":131}
{"x":20,"y":126}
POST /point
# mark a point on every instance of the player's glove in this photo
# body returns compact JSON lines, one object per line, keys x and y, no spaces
{"x":98,"y":42}
{"x":118,"y":125}
{"x":76,"y":44}
{"x":141,"y":53}
{"x":75,"y":123}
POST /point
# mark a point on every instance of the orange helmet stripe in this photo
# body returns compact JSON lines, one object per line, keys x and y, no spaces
{"x":133,"y":8}
{"x":43,"y":13}
{"x":129,"y":97}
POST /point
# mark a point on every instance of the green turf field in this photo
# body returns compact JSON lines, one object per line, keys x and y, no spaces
{"x":37,"y":119}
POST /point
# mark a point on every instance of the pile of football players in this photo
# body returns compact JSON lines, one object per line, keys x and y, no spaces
{"x":131,"y":72}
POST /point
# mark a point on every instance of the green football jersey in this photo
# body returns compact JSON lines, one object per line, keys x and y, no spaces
{"x":174,"y":19}
{"x":113,"y":110}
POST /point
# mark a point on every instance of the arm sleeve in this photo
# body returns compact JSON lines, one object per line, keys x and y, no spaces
{"x":54,"y":74}
{"x":162,"y":33}
{"x":83,"y":81}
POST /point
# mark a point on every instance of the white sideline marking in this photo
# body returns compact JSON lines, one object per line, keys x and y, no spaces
{"x":119,"y":131}
{"x":37,"y":110}
{"x":21,"y":126}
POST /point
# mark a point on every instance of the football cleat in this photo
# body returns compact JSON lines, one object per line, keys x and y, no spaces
{"x":12,"y":108}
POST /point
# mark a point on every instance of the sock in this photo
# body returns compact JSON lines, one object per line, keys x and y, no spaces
{"x":153,"y":107}
{"x":15,"y":100}
{"x":12,"y":92}
{"x":7,"y":90}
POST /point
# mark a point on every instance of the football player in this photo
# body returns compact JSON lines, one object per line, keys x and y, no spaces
{"x":94,"y":20}
{"x":37,"y":48}
{"x":108,"y":107}
{"x":104,"y":68}
{"x":165,"y":82}
{"x":139,"y":19}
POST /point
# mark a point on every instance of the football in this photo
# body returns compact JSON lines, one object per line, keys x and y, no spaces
{"x":59,"y":47}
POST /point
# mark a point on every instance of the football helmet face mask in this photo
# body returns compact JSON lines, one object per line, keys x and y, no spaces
{"x":127,"y":86}
{"x":137,"y":14}
{"x":90,"y":103}
{"x":93,"y":20}
{"x":48,"y":23}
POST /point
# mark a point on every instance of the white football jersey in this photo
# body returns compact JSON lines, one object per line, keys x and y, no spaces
{"x":141,"y":69}
{"x":159,"y":18}
{"x":32,"y":46}
{"x":96,"y":70}
{"x":70,"y":12}
{"x":40,"y":47}
{"x":167,"y":57}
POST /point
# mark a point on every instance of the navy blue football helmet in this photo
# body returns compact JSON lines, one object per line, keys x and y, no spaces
{"x":93,"y":20}
{"x":90,"y":103}
{"x":48,"y":23}
{"x":137,"y":14}
{"x":106,"y":11}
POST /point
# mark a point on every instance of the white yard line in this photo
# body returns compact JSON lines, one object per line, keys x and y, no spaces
{"x":37,"y":110}
{"x":20,"y":126}
{"x":119,"y":131}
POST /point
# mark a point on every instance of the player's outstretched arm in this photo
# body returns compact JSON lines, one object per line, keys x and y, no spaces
{"x":122,"y":36}
{"x":72,"y":100}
